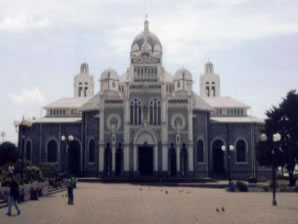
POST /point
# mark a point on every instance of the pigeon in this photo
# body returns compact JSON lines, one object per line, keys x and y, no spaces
{"x":223,"y":209}
{"x":166,"y":192}
{"x":217,"y":210}
{"x":140,"y":189}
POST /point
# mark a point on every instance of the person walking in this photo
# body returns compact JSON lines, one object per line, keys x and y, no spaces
{"x":70,"y":186}
{"x":13,"y":196}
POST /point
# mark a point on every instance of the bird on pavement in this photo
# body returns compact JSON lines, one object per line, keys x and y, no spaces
{"x":223,"y":209}
{"x":217,"y":210}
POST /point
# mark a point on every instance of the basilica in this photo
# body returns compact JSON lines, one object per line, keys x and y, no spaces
{"x":145,"y":123}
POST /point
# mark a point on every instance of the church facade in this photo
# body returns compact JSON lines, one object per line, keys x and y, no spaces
{"x":146,"y":122}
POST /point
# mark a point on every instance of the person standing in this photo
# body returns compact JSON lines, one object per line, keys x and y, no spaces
{"x":13,"y":196}
{"x":70,"y":186}
{"x":10,"y":169}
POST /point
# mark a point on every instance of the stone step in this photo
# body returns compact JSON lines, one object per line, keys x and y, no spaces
{"x":51,"y":190}
{"x":146,"y":180}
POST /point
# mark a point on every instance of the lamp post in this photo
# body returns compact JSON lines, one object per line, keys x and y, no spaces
{"x":67,"y":141}
{"x":276,"y":138}
{"x":25,"y":124}
{"x":230,"y":149}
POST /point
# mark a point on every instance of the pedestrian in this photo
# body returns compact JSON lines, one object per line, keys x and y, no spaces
{"x":70,"y":186}
{"x":10,"y":169}
{"x":13,"y":196}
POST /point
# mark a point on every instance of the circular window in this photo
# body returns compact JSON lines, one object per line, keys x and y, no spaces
{"x":113,"y":122}
{"x":178,"y":122}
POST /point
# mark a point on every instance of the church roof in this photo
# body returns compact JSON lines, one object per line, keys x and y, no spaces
{"x":109,"y":74}
{"x":146,"y":37}
{"x":224,"y":102}
{"x":244,"y":119}
{"x":57,"y":120}
{"x":92,"y":104}
{"x":68,"y":102}
{"x":183,"y":74}
{"x":200,"y":104}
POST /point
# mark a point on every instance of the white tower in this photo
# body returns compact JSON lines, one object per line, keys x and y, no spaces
{"x":209,"y":82}
{"x":109,"y":80}
{"x":83,"y":83}
{"x":183,"y":81}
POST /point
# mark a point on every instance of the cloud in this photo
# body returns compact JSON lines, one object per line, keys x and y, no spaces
{"x":22,"y":23}
{"x":28,"y":97}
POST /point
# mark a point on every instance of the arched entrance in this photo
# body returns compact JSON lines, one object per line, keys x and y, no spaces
{"x":172,"y":161}
{"x":119,"y":161}
{"x":218,"y":157}
{"x":183,"y":160}
{"x":74,"y":158}
{"x":108,"y":161}
{"x":145,"y":152}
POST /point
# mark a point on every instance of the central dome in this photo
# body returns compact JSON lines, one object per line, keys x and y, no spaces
{"x":146,"y":41}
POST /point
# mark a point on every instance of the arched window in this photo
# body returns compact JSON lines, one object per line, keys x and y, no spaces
{"x":136,"y":112}
{"x":91,"y":151}
{"x":52,"y":148}
{"x":200,"y":151}
{"x":241,"y":151}
{"x":155,"y":112}
{"x":28,"y":151}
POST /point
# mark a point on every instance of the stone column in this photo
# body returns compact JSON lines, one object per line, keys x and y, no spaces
{"x":135,"y":158}
{"x":113,"y":159}
{"x":155,"y":158}
{"x":190,"y":157}
{"x":101,"y":157}
{"x":178,"y":159}
{"x":165,"y":127}
{"x":126,"y":157}
{"x":165,"y":158}
{"x":190,"y":135}
{"x":101,"y":136}
{"x":126,"y":152}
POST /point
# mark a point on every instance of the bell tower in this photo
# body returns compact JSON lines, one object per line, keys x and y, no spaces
{"x":209,"y":82}
{"x":83,"y":83}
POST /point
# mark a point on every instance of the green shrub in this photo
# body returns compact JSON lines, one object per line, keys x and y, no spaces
{"x":48,"y":170}
{"x":33,"y":173}
{"x":242,"y":186}
{"x":18,"y":165}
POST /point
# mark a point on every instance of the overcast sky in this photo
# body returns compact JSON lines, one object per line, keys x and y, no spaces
{"x":253,"y":45}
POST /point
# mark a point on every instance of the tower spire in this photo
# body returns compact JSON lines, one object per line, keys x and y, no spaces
{"x":146,"y":23}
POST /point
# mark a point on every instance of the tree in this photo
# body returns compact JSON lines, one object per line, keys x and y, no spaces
{"x":284,"y":120}
{"x":8,"y":153}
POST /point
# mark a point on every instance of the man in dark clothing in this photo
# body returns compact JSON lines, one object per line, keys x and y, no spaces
{"x":13,"y":196}
{"x":70,"y":186}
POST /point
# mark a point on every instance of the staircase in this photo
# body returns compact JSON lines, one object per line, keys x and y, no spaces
{"x":51,"y":190}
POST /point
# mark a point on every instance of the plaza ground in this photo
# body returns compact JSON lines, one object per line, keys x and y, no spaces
{"x":143,"y":204}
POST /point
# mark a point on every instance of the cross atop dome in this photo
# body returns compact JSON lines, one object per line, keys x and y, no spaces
{"x":146,"y":23}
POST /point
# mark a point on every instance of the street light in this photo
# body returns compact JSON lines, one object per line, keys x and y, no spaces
{"x":25,"y":124}
{"x":67,"y":141}
{"x":231,"y":149}
{"x":276,"y":138}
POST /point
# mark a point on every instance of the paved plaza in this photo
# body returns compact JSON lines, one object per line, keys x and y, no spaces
{"x":135,"y":204}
